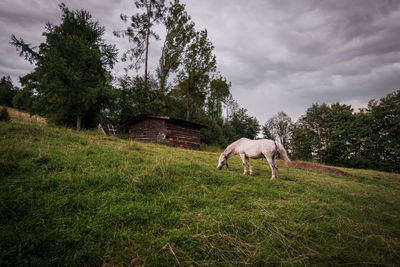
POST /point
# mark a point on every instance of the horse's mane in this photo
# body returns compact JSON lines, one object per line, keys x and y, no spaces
{"x":229,"y":149}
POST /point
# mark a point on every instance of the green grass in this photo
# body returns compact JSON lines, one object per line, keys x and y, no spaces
{"x":79,"y":198}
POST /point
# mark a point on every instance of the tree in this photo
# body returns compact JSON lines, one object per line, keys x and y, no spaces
{"x":301,"y":141}
{"x":71,"y":79}
{"x":197,"y":65}
{"x":316,"y":121}
{"x":134,"y":98}
{"x":7,"y":91}
{"x":213,"y":133}
{"x":361,"y":141}
{"x":385,"y":124}
{"x":339,"y":148}
{"x":219,"y":94}
{"x":240,"y":124}
{"x":278,"y":128}
{"x":25,"y":98}
{"x":4,"y":116}
{"x":180,"y":30}
{"x":140,"y":31}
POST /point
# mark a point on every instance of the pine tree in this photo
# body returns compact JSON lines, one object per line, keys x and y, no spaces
{"x":71,"y":78}
{"x":7,"y":91}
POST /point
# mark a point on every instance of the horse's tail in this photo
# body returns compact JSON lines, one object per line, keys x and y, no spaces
{"x":283,"y":154}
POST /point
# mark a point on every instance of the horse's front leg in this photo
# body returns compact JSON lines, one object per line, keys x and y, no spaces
{"x":243,"y":157}
{"x":248,"y":165}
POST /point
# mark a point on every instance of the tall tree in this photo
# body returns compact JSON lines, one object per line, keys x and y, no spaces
{"x":197,"y":65}
{"x":140,"y":31}
{"x":180,"y":30}
{"x":71,"y":77}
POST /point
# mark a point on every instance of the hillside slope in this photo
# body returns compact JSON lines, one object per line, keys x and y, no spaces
{"x":79,"y":198}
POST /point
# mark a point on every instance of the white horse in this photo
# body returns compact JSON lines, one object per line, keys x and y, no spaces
{"x":254,"y":149}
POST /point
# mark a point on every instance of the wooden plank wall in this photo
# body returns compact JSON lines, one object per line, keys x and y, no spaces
{"x":182,"y":136}
{"x":149,"y":130}
{"x":167,"y":132}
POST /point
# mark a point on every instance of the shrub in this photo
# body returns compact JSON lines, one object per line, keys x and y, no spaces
{"x":4,"y":116}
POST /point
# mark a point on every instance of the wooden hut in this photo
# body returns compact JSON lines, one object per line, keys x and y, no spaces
{"x":166,"y":130}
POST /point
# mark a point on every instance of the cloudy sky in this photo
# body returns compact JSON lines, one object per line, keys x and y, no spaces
{"x":280,"y":55}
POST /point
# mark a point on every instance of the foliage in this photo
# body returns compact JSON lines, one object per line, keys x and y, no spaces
{"x":336,"y":135}
{"x":240,"y":124}
{"x":301,"y":142}
{"x":213,"y":134}
{"x":81,"y":199}
{"x":4,"y":116}
{"x":384,"y":139}
{"x":339,"y":148}
{"x":24,"y":99}
{"x":316,"y":120}
{"x":7,"y":91}
{"x":219,"y":94}
{"x":134,"y":98}
{"x":194,"y":77}
{"x":180,"y":31}
{"x":70,"y":81}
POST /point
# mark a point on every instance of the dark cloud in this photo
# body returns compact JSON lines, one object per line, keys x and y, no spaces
{"x":279,"y":55}
{"x":286,"y":55}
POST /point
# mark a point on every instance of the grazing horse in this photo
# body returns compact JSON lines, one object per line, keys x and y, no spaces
{"x":254,"y":149}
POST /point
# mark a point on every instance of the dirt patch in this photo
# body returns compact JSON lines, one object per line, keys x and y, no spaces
{"x":310,"y":166}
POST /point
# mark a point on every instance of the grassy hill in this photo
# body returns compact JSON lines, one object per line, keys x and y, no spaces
{"x":79,"y":198}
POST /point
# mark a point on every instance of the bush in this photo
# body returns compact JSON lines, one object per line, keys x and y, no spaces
{"x":4,"y":116}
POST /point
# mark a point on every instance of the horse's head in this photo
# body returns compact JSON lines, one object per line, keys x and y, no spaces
{"x":223,"y":160}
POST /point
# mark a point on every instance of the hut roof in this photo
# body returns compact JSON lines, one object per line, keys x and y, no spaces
{"x":179,"y":121}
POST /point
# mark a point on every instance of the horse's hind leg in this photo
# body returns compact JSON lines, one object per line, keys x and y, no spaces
{"x":249,"y":166}
{"x":273,"y":167}
{"x":243,"y":157}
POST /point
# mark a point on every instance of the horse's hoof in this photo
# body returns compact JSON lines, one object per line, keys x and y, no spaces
{"x":273,"y":178}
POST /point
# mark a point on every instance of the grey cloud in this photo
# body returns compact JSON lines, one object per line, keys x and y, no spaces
{"x":318,"y":51}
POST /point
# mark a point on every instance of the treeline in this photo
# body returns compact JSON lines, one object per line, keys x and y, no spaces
{"x":72,"y":84}
{"x":336,"y":135}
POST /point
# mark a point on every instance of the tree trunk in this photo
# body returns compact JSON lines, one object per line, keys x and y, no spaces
{"x":162,"y":75}
{"x":79,"y":122}
{"x":147,"y":44}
